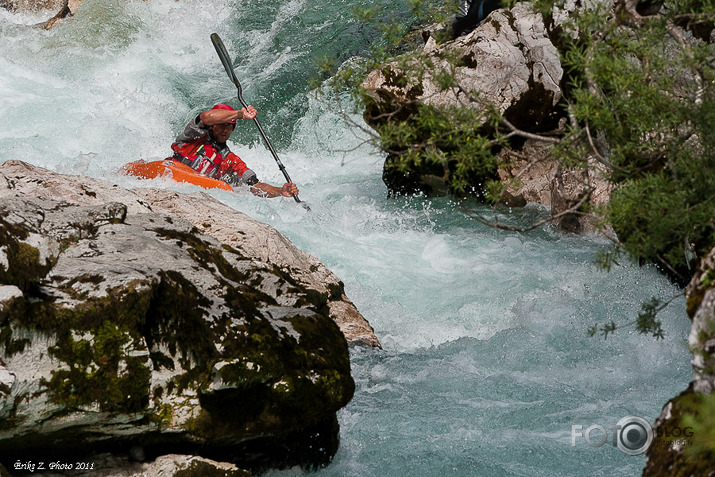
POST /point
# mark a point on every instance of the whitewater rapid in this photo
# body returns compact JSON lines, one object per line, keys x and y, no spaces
{"x":486,"y":365}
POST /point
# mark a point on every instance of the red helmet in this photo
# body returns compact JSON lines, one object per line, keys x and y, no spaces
{"x":226,"y":107}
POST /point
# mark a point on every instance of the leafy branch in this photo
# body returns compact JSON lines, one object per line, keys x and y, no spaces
{"x":647,"y":321}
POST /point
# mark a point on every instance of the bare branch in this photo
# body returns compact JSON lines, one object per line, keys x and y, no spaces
{"x":498,"y":225}
{"x":663,"y":262}
{"x":537,"y":137}
{"x":598,"y":155}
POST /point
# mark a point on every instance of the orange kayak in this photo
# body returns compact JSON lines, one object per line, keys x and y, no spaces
{"x":173,"y":170}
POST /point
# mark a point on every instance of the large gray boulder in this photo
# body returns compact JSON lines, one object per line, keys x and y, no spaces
{"x":508,"y":62}
{"x":123,"y":325}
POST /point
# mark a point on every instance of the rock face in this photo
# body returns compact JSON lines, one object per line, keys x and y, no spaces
{"x":509,"y":63}
{"x":123,"y":324}
{"x":701,"y":308}
{"x":64,"y":8}
{"x":540,"y":179}
{"x":671,"y":460}
{"x":508,"y":60}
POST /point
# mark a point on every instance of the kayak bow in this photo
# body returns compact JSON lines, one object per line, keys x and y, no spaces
{"x":173,"y":170}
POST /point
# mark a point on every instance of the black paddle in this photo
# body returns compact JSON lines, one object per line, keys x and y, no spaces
{"x":223,"y":55}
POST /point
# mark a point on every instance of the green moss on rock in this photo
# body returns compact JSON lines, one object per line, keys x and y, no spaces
{"x":163,"y":416}
{"x":11,"y":345}
{"x":256,"y":379}
{"x":207,"y":255}
{"x":100,"y":371}
{"x":24,"y":267}
{"x":665,"y":457}
{"x":280,"y":384}
{"x":175,"y":320}
{"x":68,"y":287}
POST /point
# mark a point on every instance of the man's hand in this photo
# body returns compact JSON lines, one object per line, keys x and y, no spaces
{"x":248,"y":113}
{"x":289,"y":189}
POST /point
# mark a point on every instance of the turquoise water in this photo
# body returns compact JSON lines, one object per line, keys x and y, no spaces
{"x":486,"y":363}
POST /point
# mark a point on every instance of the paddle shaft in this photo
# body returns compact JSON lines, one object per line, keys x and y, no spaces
{"x":268,"y":143}
{"x":223,"y":55}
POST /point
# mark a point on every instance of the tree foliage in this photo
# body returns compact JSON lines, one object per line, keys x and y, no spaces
{"x":644,"y":86}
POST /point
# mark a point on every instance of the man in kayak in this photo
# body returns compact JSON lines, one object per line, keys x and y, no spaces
{"x":202,"y":146}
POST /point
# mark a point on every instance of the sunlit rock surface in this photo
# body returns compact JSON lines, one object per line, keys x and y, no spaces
{"x":123,"y":324}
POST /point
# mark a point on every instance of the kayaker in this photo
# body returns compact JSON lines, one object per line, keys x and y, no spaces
{"x":202,"y":146}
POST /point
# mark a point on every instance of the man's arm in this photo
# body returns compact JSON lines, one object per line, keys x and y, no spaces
{"x":221,"y":116}
{"x":262,"y":189}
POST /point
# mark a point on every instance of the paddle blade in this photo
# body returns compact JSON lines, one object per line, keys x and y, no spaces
{"x":223,"y":55}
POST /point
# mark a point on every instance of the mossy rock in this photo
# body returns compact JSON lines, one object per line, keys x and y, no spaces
{"x":673,"y":455}
{"x":156,"y":335}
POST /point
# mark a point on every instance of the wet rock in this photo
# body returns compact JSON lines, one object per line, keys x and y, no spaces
{"x":122,"y":325}
{"x":668,"y":457}
{"x":68,"y":9}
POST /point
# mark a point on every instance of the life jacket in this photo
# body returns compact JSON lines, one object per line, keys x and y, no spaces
{"x":206,"y":157}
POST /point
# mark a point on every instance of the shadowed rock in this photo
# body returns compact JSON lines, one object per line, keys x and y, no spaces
{"x":668,"y":455}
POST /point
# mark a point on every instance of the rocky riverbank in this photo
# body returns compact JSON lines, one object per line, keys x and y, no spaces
{"x":138,"y":320}
{"x":680,"y":448}
{"x":509,"y":63}
{"x":58,"y":9}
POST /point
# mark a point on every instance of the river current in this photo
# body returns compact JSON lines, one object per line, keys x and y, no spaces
{"x":486,"y":366}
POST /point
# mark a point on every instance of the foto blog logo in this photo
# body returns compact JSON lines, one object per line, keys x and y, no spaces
{"x":633,"y":435}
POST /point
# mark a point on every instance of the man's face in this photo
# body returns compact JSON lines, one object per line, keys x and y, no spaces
{"x":221,"y":132}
